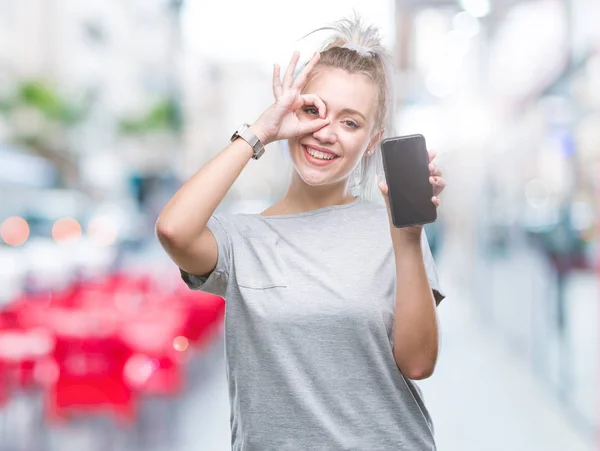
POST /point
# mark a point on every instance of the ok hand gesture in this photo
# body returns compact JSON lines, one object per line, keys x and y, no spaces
{"x":279,"y":121}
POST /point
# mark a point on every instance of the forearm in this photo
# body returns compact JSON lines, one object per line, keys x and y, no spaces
{"x":415,"y":328}
{"x":186,"y":214}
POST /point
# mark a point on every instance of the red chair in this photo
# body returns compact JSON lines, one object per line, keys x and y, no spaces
{"x":155,"y":368}
{"x":115,"y":338}
{"x":20,"y":352}
{"x":90,"y":359}
{"x":205,"y":316}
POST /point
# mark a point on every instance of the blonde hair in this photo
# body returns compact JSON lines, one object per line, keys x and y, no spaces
{"x":357,"y":48}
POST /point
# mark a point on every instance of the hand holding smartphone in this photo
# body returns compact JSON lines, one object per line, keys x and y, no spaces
{"x":406,"y":166}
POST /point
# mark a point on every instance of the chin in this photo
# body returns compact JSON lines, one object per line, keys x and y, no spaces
{"x":313,"y":176}
{"x":315,"y":180}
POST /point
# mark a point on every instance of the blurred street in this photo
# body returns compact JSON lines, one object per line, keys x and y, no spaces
{"x":108,"y":106}
{"x":483,"y":395}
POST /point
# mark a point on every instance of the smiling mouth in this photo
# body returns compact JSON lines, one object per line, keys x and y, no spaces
{"x":318,"y":155}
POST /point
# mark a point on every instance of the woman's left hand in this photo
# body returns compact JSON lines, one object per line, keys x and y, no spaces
{"x":435,"y":178}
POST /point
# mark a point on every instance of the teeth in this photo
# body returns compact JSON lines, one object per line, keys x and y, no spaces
{"x":319,"y":155}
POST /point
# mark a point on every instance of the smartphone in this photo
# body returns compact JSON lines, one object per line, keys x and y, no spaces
{"x":406,"y":166}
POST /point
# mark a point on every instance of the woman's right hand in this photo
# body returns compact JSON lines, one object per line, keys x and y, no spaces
{"x":279,"y":121}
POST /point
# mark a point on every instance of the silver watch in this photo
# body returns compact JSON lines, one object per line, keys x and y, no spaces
{"x":246,"y":134}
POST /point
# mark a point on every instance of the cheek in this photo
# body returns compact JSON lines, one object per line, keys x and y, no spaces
{"x":355,"y":146}
{"x":294,"y":149}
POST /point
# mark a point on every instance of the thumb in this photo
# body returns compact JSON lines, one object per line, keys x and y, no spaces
{"x":383,"y":188}
{"x":312,"y":126}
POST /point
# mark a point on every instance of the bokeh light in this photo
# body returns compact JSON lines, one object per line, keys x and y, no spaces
{"x":66,"y":229}
{"x":14,"y":231}
{"x":138,"y":369}
{"x":102,"y":231}
{"x":181,"y":343}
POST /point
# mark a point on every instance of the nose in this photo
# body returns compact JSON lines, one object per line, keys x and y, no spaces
{"x":326,"y":134}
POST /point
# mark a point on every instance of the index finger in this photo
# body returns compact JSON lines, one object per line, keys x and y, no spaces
{"x":276,"y":81}
{"x":289,"y":73}
{"x":432,"y":155}
{"x":303,"y":75}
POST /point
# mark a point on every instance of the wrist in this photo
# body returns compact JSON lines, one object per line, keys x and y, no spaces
{"x":260,"y":134}
{"x":407,"y":237}
{"x":407,"y":251}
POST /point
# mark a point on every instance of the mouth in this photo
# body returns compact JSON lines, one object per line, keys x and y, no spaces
{"x":318,"y":157}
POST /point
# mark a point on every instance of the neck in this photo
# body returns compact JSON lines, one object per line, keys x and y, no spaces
{"x":301,"y":197}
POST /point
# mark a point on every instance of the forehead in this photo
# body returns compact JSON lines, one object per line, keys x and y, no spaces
{"x":342,"y":90}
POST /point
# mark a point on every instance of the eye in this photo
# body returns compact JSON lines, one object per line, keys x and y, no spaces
{"x":311,"y":110}
{"x":353,"y":125}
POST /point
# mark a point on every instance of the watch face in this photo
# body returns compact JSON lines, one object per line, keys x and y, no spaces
{"x":238,"y":132}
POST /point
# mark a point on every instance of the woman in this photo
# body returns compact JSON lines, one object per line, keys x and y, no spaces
{"x":331,"y":311}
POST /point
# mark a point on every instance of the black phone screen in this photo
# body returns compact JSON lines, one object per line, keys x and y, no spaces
{"x":406,"y":165}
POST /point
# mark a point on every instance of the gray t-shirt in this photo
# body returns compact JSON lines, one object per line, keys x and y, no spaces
{"x":308,"y":332}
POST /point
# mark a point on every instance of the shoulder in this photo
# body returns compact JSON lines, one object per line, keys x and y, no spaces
{"x":371,"y":205}
{"x":372,"y":212}
{"x":239,"y":223}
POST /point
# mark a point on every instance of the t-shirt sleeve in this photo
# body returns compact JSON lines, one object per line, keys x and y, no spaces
{"x":216,"y":282}
{"x":431,"y":270}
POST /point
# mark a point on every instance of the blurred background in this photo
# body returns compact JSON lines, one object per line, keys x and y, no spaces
{"x":108,"y":106}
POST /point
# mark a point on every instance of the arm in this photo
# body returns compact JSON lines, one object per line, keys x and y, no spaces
{"x":181,"y":225}
{"x":416,"y":336}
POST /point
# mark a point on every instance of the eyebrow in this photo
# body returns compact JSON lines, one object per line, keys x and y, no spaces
{"x":349,"y":111}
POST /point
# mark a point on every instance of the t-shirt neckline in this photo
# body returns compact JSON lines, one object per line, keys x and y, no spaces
{"x":355,"y":202}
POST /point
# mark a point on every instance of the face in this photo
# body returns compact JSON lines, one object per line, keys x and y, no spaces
{"x":330,"y":154}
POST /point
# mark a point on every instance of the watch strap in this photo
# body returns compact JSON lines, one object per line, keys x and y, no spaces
{"x":246,"y":134}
